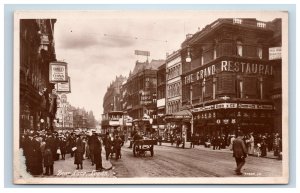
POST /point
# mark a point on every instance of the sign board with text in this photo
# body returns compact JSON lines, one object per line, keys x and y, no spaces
{"x":274,"y":53}
{"x":58,"y":72}
{"x":64,"y":87}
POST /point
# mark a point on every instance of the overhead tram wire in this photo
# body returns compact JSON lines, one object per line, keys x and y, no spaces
{"x":130,"y":37}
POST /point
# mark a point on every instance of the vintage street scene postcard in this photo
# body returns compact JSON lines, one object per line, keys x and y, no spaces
{"x":150,"y":97}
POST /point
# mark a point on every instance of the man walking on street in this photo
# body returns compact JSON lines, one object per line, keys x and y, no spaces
{"x":91,"y":143}
{"x":108,"y":145}
{"x":97,"y":149}
{"x":239,"y":152}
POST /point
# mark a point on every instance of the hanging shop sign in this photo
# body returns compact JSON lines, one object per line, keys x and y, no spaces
{"x":64,"y":87}
{"x":45,"y":39}
{"x":58,"y":72}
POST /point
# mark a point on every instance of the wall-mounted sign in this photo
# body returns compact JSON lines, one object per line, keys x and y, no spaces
{"x":234,"y":66}
{"x":58,"y":72}
{"x":233,"y":106}
{"x":274,"y":53}
{"x":64,"y":87}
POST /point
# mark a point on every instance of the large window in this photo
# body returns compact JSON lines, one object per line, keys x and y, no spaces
{"x":259,"y":52}
{"x":239,"y":48}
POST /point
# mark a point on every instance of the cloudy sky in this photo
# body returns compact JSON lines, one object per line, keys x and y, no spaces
{"x":98,"y":46}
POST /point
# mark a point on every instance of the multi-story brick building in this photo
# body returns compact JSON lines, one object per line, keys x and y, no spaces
{"x":141,"y":99}
{"x":227,"y":77}
{"x":37,"y":102}
{"x":173,"y":94}
{"x":113,"y":105}
{"x":161,"y":98}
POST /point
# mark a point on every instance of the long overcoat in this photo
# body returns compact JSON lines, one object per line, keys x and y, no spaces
{"x":79,"y":151}
{"x":239,"y":148}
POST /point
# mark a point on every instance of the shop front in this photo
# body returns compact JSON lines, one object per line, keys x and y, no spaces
{"x":223,"y":119}
{"x":179,"y":124}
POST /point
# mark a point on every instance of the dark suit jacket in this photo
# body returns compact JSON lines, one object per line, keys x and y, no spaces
{"x":239,"y":148}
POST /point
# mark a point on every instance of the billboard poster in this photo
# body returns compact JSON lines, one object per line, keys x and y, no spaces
{"x":64,"y":87}
{"x":58,"y":72}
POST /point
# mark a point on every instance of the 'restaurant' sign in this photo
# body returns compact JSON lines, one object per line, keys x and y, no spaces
{"x":58,"y":72}
{"x":64,"y":87}
{"x":244,"y":67}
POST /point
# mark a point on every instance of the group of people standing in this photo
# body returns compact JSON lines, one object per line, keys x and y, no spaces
{"x":41,"y":149}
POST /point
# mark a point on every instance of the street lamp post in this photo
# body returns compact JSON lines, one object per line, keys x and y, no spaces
{"x":191,"y":101}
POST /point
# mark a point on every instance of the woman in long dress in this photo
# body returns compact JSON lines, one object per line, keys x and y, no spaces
{"x":250,"y":143}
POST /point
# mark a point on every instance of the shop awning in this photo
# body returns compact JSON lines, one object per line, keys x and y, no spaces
{"x":184,"y":114}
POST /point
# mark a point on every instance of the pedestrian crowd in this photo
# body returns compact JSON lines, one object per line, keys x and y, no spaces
{"x":42,"y":149}
{"x":257,"y":144}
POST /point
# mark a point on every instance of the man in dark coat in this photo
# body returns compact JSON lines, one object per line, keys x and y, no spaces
{"x":71,"y":143}
{"x":56,"y":146}
{"x":193,"y":140}
{"x":91,"y":143}
{"x":36,"y":156}
{"x":48,"y":161}
{"x":97,"y":144}
{"x":117,"y":147}
{"x":62,"y":146}
{"x":239,"y":152}
{"x":26,"y":147}
{"x":79,"y":152}
{"x":51,"y":142}
{"x":108,"y":145}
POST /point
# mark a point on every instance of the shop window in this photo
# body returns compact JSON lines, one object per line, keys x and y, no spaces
{"x":250,"y":87}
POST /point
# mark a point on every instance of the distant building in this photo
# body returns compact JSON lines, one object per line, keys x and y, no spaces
{"x":141,"y":96}
{"x":113,"y":105}
{"x":64,"y":115}
{"x":80,"y":118}
{"x":161,"y":99}
{"x":173,"y":92}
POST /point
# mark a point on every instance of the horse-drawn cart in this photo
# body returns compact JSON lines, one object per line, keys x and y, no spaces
{"x":140,"y":147}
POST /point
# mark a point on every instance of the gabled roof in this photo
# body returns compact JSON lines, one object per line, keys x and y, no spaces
{"x":140,"y":66}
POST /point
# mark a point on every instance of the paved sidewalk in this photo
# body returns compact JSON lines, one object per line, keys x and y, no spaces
{"x":67,"y":169}
{"x":270,"y":155}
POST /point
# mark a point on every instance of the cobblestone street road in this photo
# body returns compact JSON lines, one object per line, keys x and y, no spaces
{"x":177,"y":162}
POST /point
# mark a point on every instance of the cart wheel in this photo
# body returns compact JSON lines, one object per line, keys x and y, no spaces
{"x":152,"y":151}
{"x":135,"y":150}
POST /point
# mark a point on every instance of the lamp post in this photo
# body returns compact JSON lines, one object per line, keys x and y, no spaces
{"x":191,"y":102}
